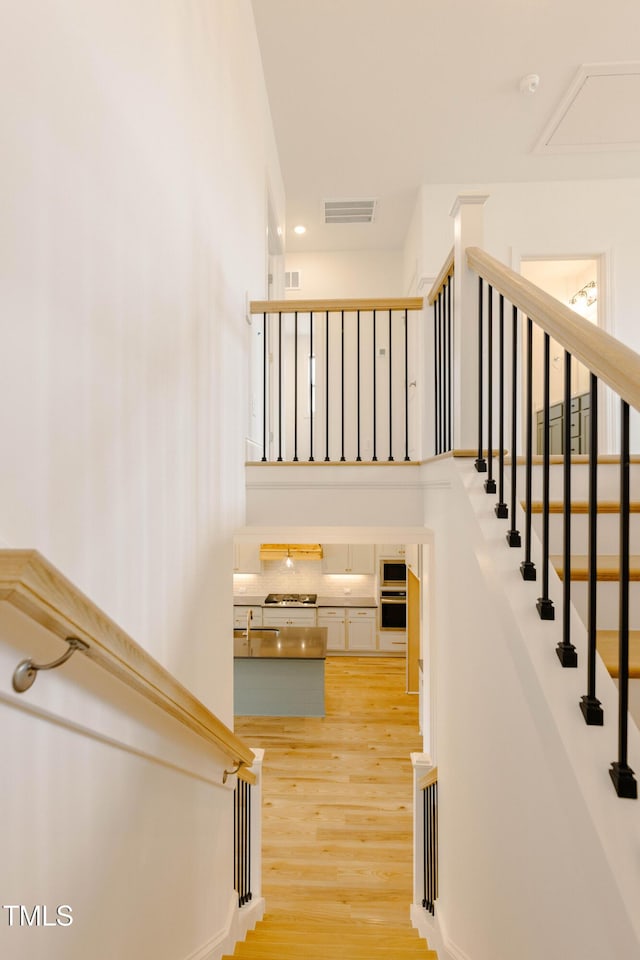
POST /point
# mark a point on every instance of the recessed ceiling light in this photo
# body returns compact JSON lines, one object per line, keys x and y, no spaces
{"x":300,"y":229}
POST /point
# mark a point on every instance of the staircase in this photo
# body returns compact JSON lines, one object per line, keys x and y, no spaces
{"x":283,"y":937}
{"x":608,"y":565}
{"x":337,"y":820}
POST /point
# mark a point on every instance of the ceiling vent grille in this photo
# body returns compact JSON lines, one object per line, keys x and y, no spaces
{"x":349,"y":211}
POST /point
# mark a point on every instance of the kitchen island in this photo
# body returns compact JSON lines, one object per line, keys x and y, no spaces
{"x":279,"y":672}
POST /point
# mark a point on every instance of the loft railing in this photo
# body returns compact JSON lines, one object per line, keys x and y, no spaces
{"x":33,"y":585}
{"x":609,"y":362}
{"x":428,"y":787}
{"x":336,"y":378}
{"x":442,"y":300}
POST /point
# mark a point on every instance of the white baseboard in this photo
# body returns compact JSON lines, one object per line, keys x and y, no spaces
{"x":239,"y":921}
{"x":430,"y":928}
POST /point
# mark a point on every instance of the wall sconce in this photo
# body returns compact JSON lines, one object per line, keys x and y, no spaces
{"x":586,"y":296}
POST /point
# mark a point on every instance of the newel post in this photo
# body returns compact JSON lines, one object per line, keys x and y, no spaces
{"x":468,"y":215}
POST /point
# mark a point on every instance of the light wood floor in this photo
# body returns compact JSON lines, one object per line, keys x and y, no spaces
{"x":337,"y":811}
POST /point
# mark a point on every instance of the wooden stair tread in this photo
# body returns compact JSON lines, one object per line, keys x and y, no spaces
{"x":581,"y":506}
{"x":280,"y":937}
{"x":607,"y":645}
{"x":608,"y":567}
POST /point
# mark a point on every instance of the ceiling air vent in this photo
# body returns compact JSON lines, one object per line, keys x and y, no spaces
{"x":349,"y":211}
{"x":292,"y":279}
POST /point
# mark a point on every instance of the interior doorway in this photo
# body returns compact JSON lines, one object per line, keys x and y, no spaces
{"x":577,"y":282}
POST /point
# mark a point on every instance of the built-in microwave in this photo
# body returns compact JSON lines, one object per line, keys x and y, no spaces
{"x":393,"y":573}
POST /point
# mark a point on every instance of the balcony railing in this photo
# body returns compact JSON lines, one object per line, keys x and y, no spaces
{"x":337,"y":379}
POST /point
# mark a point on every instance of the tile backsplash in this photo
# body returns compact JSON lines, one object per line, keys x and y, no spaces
{"x":306,"y":577}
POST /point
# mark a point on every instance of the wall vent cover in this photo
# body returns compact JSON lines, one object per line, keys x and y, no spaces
{"x":292,"y":279}
{"x":349,"y":211}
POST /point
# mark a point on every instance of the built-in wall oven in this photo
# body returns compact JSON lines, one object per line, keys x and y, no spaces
{"x":393,"y":609}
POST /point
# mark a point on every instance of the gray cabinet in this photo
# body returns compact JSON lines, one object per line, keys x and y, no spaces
{"x":577,"y":422}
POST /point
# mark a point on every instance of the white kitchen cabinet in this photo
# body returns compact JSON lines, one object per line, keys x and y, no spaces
{"x":289,"y":617}
{"x":348,"y":558}
{"x":333,"y":618}
{"x":392,"y":642}
{"x":361,"y":628}
{"x":240,"y":616}
{"x":246,"y":558}
{"x":392,"y":550}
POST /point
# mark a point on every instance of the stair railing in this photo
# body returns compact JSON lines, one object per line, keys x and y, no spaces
{"x":442,"y":300}
{"x":247,"y":832}
{"x":336,"y":378}
{"x":609,"y":362}
{"x":428,"y":787}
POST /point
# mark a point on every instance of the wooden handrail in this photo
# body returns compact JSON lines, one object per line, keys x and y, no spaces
{"x":33,"y":585}
{"x":335,"y":306}
{"x":438,"y":283}
{"x":429,"y":779}
{"x":612,"y":362}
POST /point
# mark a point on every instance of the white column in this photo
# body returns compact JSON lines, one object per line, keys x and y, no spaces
{"x":467,"y":212}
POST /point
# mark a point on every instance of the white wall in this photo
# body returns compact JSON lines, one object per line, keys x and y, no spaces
{"x":555,"y":219}
{"x":348,"y":273}
{"x":536,"y":851}
{"x":136,"y":153}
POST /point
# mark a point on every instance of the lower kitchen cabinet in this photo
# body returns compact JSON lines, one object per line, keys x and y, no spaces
{"x":361,"y":628}
{"x":393,"y":642}
{"x":289,"y":617}
{"x":333,"y":619}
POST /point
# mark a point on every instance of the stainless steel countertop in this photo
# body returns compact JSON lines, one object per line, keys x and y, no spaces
{"x":285,"y":643}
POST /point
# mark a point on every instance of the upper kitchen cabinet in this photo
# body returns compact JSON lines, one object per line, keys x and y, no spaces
{"x":392,"y":550}
{"x":348,"y":558}
{"x":246,"y":558}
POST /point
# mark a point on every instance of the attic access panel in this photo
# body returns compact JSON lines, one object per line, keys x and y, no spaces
{"x":600,"y":111}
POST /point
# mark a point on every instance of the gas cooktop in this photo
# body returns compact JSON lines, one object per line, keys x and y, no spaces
{"x":292,"y":599}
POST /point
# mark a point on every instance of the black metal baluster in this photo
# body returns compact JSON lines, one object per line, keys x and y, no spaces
{"x":311,"y":385}
{"x":527,"y":567}
{"x":443,"y":372}
{"x":264,"y":387}
{"x":436,"y":374}
{"x":589,"y":704}
{"x":481,"y":463}
{"x":358,"y":457}
{"x":279,"y":386}
{"x":295,"y":386}
{"x":326,"y":385}
{"x":545,"y":605}
{"x":565,"y":649}
{"x":342,"y":457}
{"x":374,"y":457}
{"x":406,"y":386}
{"x":513,"y":535}
{"x":620,"y":772}
{"x":441,"y":308}
{"x":236,"y":850}
{"x":490,"y":484}
{"x":390,"y":457}
{"x":501,"y":508}
{"x":425,"y":835}
{"x":448,"y":438}
{"x":248,"y":845}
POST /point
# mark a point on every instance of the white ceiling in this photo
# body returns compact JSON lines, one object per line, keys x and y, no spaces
{"x":371,"y":98}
